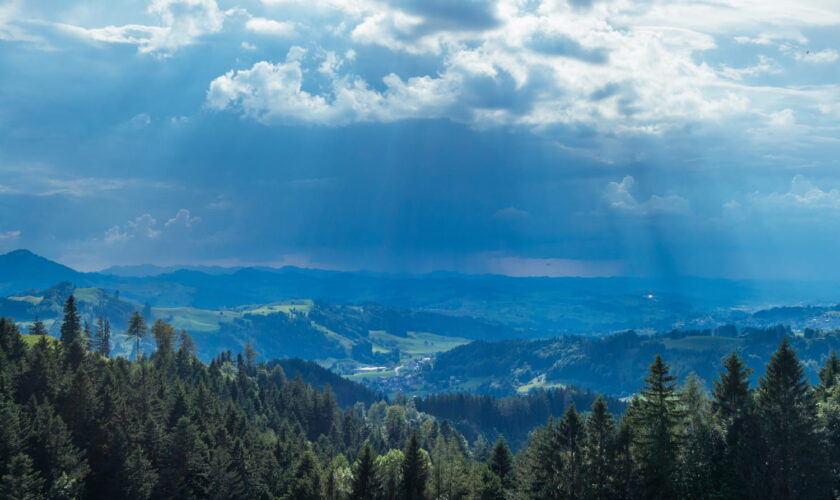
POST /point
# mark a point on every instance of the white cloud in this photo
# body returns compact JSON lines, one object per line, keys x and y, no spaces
{"x":803,"y":196}
{"x":141,"y":227}
{"x":265,"y":26}
{"x":783,"y":118}
{"x":618,"y":197}
{"x":80,"y":187}
{"x":182,"y":23}
{"x":9,"y":235}
{"x":820,"y":57}
{"x":766,"y":65}
{"x":618,"y":69}
{"x":273,"y":93}
{"x":146,"y":227}
{"x":183,"y":219}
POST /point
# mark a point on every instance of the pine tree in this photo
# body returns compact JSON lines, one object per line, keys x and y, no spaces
{"x":700,"y":471}
{"x":829,"y":418}
{"x":366,"y":478}
{"x":185,"y":470}
{"x":21,"y":481}
{"x":597,"y":452}
{"x":415,"y":471}
{"x":136,"y":330}
{"x":828,"y":375}
{"x":501,"y":462}
{"x":539,"y":467}
{"x":137,"y":477}
{"x":102,"y":336}
{"x":71,"y":327}
{"x":486,"y":484}
{"x":164,"y":336}
{"x":656,"y":423}
{"x":187,"y":344}
{"x":571,"y":433}
{"x":732,"y":410}
{"x":306,"y":484}
{"x":793,"y":466}
{"x":88,"y":335}
{"x":53,"y":453}
{"x":37,"y":327}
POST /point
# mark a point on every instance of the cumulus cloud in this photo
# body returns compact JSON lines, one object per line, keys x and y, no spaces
{"x":273,"y":93}
{"x":265,"y":26}
{"x":142,"y":226}
{"x":615,"y":69}
{"x":618,"y":197}
{"x":182,"y":23}
{"x":182,"y":219}
{"x":803,"y":196}
{"x":146,"y":227}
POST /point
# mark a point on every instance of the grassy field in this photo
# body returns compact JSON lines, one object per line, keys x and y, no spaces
{"x":195,"y":320}
{"x":31,"y":340}
{"x":538,"y":382}
{"x":298,"y":306}
{"x":415,"y":344}
{"x":358,"y":377}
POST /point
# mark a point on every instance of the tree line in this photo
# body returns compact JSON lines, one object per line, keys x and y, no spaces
{"x":79,"y":424}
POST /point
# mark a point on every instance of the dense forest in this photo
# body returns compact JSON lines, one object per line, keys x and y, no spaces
{"x":80,"y":424}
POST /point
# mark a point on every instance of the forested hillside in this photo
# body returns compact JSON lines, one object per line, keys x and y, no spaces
{"x":615,"y":364}
{"x":78,"y":424}
{"x":332,"y":333}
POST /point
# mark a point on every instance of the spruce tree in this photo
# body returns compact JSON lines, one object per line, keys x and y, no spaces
{"x":37,"y":327}
{"x":164,"y":336}
{"x":71,"y":327}
{"x":136,"y":331}
{"x":539,"y":467}
{"x":87,"y":335}
{"x":572,"y":435}
{"x":306,"y":484}
{"x":137,"y":476}
{"x":501,"y":462}
{"x":793,"y":466}
{"x":366,"y":478}
{"x":731,"y":407}
{"x":828,"y":375}
{"x":487,"y":485}
{"x":598,"y":452}
{"x":102,"y":343}
{"x":415,"y":471}
{"x":21,"y":480}
{"x":700,"y":471}
{"x":657,"y":441}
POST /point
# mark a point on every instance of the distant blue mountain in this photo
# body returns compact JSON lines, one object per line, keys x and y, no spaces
{"x":22,"y":270}
{"x":547,"y":305}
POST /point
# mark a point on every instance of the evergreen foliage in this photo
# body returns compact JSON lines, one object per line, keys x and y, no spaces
{"x":77,"y":425}
{"x":71,"y":327}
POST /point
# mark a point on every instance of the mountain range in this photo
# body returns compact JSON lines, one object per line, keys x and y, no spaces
{"x":538,"y":306}
{"x":383,"y":329}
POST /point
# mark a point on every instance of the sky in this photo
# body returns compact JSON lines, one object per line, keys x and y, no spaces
{"x":521,"y":137}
